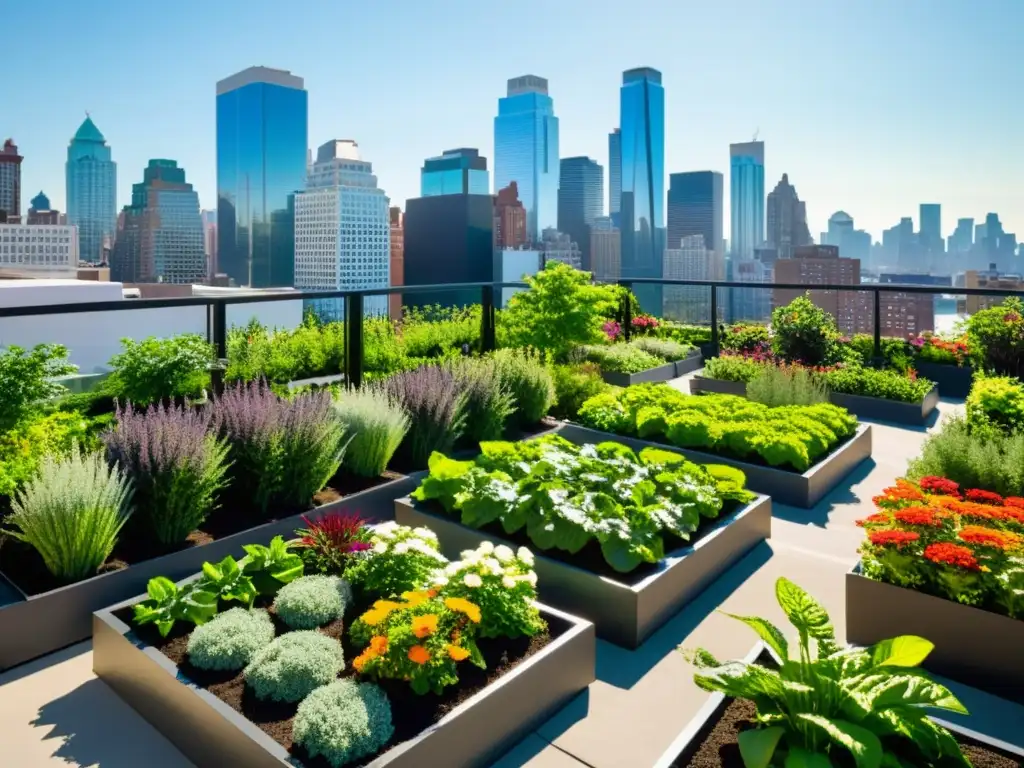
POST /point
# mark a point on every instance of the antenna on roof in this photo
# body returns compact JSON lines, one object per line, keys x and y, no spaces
{"x":756,"y":134}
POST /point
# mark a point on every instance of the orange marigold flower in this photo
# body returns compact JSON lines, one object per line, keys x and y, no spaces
{"x":952,"y":554}
{"x":431,"y":592}
{"x":360,"y":661}
{"x":892,"y":538}
{"x":379,"y":645}
{"x":419,"y":654}
{"x":1013,"y":514}
{"x":907,"y":490}
{"x":976,"y":511}
{"x":424,"y":625}
{"x":918,"y":516}
{"x":463,"y":606}
{"x":878,"y":518}
{"x":455,"y":653}
{"x":415,"y":598}
{"x":989,"y":537}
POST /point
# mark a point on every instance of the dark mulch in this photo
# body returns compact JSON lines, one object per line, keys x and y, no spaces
{"x":23,"y":566}
{"x":590,"y":558}
{"x":411,"y":714}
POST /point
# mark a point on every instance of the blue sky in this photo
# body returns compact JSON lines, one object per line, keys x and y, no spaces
{"x":870,"y":106}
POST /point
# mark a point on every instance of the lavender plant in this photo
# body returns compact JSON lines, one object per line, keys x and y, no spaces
{"x":377,"y":424}
{"x":436,"y":403}
{"x":177,"y":464}
{"x":529,"y":380}
{"x":283,"y":450}
{"x":72,"y":512}
{"x":489,"y":401}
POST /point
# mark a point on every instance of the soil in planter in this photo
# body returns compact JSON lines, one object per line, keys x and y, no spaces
{"x":715,"y":746}
{"x":590,"y":558}
{"x":24,"y":567}
{"x":411,"y":714}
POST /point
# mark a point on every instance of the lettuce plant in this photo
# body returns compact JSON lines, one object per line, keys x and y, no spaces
{"x":167,"y":604}
{"x":826,"y":700}
{"x":271,"y":567}
{"x":227,"y":581}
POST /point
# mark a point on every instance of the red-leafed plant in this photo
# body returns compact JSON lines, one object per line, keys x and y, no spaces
{"x":328,"y":544}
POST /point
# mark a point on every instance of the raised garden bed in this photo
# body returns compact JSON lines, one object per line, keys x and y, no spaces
{"x":666,"y":372}
{"x":784,"y":486}
{"x":862,"y":407}
{"x":34,"y":624}
{"x":472,"y":725}
{"x":973,"y":646}
{"x":317,"y":381}
{"x":625,"y":608}
{"x":952,"y":380}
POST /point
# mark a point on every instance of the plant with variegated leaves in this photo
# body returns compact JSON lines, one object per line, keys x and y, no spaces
{"x":871,"y":702}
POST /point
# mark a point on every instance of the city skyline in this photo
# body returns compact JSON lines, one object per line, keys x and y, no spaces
{"x":851,"y":143}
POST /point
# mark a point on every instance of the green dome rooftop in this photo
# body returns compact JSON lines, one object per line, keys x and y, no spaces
{"x":88,"y":131}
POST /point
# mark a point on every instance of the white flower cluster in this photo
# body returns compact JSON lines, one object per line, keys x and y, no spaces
{"x":398,"y":539}
{"x":490,"y":562}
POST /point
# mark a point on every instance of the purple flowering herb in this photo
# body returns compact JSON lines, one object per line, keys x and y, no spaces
{"x":435,"y":400}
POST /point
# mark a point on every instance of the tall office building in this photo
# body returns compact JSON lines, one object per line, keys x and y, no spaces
{"x":615,"y":175}
{"x":10,"y":182}
{"x":262,"y":144}
{"x":509,"y":218}
{"x":746,"y":194}
{"x":92,"y":190}
{"x":580,"y":201}
{"x":210,"y":241}
{"x":397,"y":220}
{"x":695,"y":204}
{"x":962,"y":239}
{"x":40,"y":212}
{"x":852,"y":243}
{"x":642,"y":117}
{"x":931,"y":226}
{"x":526,"y":150}
{"x":342,"y":231}
{"x":692,"y":261}
{"x":605,"y":249}
{"x":455,"y":172}
{"x":787,"y":219}
{"x":165,"y":244}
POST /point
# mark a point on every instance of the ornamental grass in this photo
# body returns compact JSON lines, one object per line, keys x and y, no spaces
{"x":377,"y":423}
{"x":435,"y":400}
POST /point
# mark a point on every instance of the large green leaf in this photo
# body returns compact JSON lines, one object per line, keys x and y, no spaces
{"x":740,"y":680}
{"x":803,"y":611}
{"x":757,"y":747}
{"x":161,"y":588}
{"x":888,"y":691}
{"x":902,"y":651}
{"x":865,"y":746}
{"x":931,"y":739}
{"x":802,"y":758}
{"x":768,"y":632}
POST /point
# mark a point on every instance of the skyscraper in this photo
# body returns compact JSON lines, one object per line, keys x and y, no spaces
{"x":642,"y":117}
{"x":40,"y":212}
{"x":931,"y":226}
{"x":92,"y":190}
{"x":787,"y":219}
{"x":822,"y":265}
{"x":526,"y":150}
{"x":695,"y":203}
{"x":615,"y":175}
{"x":746,"y":193}
{"x":509,"y":218}
{"x":962,"y":239}
{"x":342,"y":230}
{"x":166,"y":240}
{"x":262,"y":143}
{"x":455,"y":172}
{"x":10,"y":182}
{"x":852,"y":243}
{"x":580,"y":201}
{"x":691,"y":261}
{"x":605,"y":249}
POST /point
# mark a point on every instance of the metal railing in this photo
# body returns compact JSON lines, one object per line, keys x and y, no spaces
{"x":217,"y":329}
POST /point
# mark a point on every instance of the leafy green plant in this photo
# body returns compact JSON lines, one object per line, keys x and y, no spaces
{"x":294,"y":665}
{"x":986,"y":459}
{"x":995,"y":337}
{"x":167,"y":604}
{"x":377,"y":424}
{"x":733,"y":367}
{"x":804,"y":333}
{"x":153,"y":370}
{"x":622,"y":358}
{"x":527,"y":377}
{"x":996,"y":403}
{"x":399,"y":559}
{"x":71,"y":513}
{"x":313,"y":601}
{"x":230,"y":639}
{"x":745,"y":339}
{"x":228,"y":581}
{"x":489,"y":400}
{"x":574,"y":385}
{"x":271,"y":567}
{"x":343,"y":722}
{"x":431,"y":332}
{"x":690,"y":335}
{"x":26,"y":379}
{"x":23,"y":447}
{"x":785,"y":385}
{"x":313,"y":349}
{"x":825,"y":701}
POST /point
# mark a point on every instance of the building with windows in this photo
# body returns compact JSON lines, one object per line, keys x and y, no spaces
{"x":787,"y":219}
{"x":558,"y":246}
{"x":509,"y":218}
{"x":692,"y":261}
{"x":605,"y":249}
{"x":397,"y":220}
{"x":822,"y":265}
{"x":852,"y":243}
{"x":92,"y":191}
{"x":695,"y":207}
{"x":526,"y":150}
{"x":38,"y":250}
{"x":162,"y":236}
{"x":580,"y":201}
{"x":615,"y":175}
{"x":642,"y":120}
{"x":989,"y":278}
{"x":746,"y":192}
{"x":10,"y":182}
{"x":262,"y":143}
{"x":931,"y":227}
{"x":455,"y":172}
{"x":40,"y":212}
{"x":342,"y":231}
{"x":754,"y":304}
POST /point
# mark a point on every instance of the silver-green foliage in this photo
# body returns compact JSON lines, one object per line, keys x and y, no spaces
{"x":343,"y":722}
{"x":231,"y":639}
{"x":529,"y":380}
{"x":294,"y":665}
{"x":666,"y":349}
{"x":781,"y":385}
{"x":377,"y":424}
{"x":313,"y":601}
{"x":489,"y":401}
{"x":72,"y":512}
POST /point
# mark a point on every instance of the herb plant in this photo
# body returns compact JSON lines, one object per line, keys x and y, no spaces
{"x":230,"y":639}
{"x":344,"y":722}
{"x":26,"y":379}
{"x":824,"y":701}
{"x":24,"y":446}
{"x":153,"y":370}
{"x":786,"y":385}
{"x":167,"y":604}
{"x":489,"y":400}
{"x":574,"y":385}
{"x":527,"y":377}
{"x":987,"y":459}
{"x":377,"y":423}
{"x":313,"y":601}
{"x":665,"y":349}
{"x":271,"y":567}
{"x":294,"y":665}
{"x":996,"y":404}
{"x":435,"y":400}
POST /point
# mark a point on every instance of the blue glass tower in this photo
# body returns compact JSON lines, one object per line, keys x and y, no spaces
{"x":92,"y":190}
{"x":615,"y":174}
{"x":642,"y":122}
{"x":526,"y":150}
{"x":747,"y":198}
{"x":455,"y":172}
{"x":695,"y":205}
{"x":262,"y":146}
{"x":580,"y":193}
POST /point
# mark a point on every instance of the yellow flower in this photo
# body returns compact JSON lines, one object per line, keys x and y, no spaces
{"x":424,"y":625}
{"x":415,"y":598}
{"x":380,"y":611}
{"x":419,"y":654}
{"x":455,"y":653}
{"x":471,"y":610}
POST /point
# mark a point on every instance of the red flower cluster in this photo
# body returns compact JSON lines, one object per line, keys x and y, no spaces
{"x":939,"y":485}
{"x":989,"y":537}
{"x":926,"y":516}
{"x":892,"y":538}
{"x":944,"y":553}
{"x":984,"y":497}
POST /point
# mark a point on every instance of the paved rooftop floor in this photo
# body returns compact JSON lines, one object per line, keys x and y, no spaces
{"x":54,"y":712}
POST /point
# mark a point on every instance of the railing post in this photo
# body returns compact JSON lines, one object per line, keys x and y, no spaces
{"x":488,"y":319}
{"x":354,"y":340}
{"x":217,"y":333}
{"x":878,"y":326}
{"x":627,"y":311}
{"x":714,"y":321}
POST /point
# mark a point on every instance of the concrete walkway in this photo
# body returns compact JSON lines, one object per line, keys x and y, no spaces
{"x":54,"y":712}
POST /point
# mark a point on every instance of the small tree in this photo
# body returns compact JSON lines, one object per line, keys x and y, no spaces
{"x":804,"y":332}
{"x":561,"y":310}
{"x":26,"y":379}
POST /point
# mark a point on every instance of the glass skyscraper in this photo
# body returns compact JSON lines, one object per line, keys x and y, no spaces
{"x":262,"y":145}
{"x":615,"y":175}
{"x":642,"y":121}
{"x":455,"y":172}
{"x":92,"y":191}
{"x":526,"y":150}
{"x":580,"y":201}
{"x":747,"y":198}
{"x":695,"y":207}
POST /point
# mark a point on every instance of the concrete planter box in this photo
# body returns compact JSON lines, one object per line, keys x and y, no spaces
{"x":32,"y":626}
{"x":979,"y":648}
{"x":212,"y":735}
{"x":952,"y":380}
{"x":317,"y":381}
{"x":876,"y":408}
{"x":624,"y":614}
{"x":785,"y":487}
{"x":666,"y":372}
